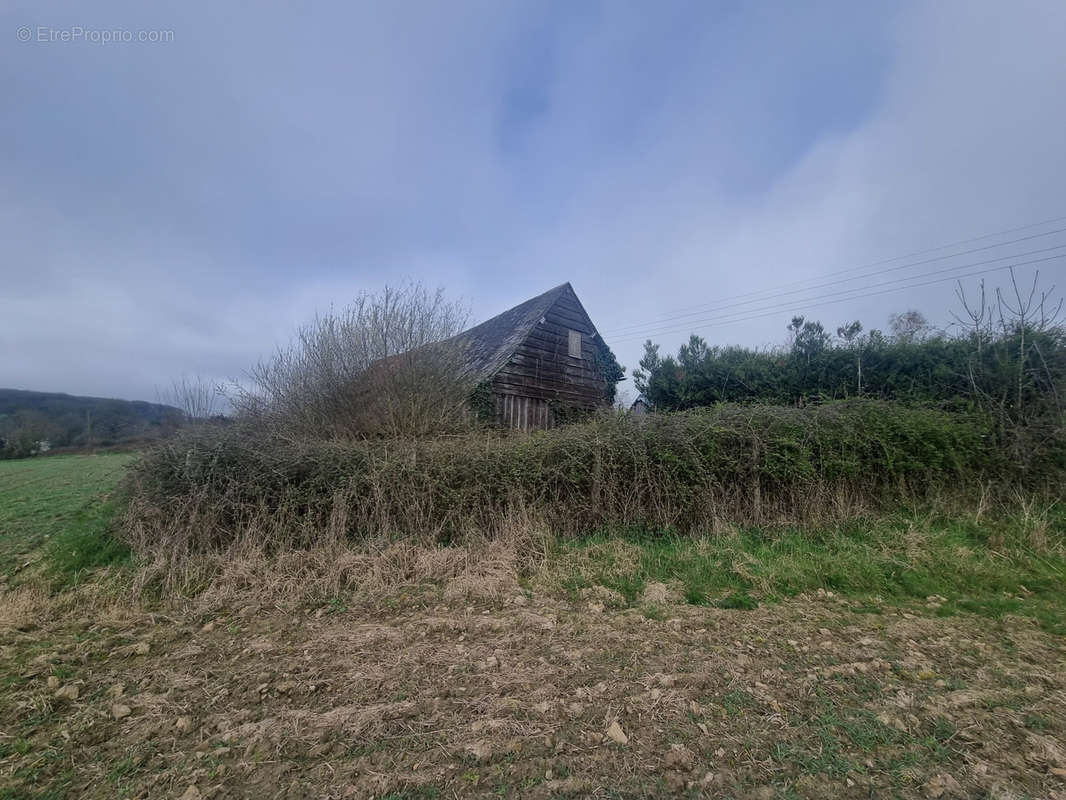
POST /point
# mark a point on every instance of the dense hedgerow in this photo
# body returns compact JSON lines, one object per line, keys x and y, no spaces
{"x":1015,"y":372}
{"x":686,"y":471}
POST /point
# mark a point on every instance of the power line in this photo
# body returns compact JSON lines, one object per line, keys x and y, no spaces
{"x":817,"y":302}
{"x":721,"y":307}
{"x":655,"y":330}
{"x":703,"y":309}
{"x":889,"y":260}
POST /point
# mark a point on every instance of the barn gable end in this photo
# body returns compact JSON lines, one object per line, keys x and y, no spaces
{"x":527,"y":356}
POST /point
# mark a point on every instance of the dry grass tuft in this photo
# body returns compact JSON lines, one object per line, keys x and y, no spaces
{"x":23,"y":607}
{"x":482,"y":567}
{"x":34,"y":603}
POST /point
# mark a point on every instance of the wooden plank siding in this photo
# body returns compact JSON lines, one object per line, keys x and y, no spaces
{"x":523,"y":413}
{"x":541,"y":371}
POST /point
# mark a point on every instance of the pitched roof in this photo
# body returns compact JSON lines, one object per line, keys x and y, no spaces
{"x":488,"y":346}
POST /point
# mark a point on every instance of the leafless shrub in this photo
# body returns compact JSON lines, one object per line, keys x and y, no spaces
{"x":1028,"y":314}
{"x":1016,"y":366}
{"x":386,"y":365}
{"x":197,"y":398}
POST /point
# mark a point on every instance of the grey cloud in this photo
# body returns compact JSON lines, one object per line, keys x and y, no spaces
{"x":179,"y":208}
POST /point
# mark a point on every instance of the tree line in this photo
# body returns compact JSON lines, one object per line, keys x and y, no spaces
{"x":32,"y":422}
{"x":1005,"y":355}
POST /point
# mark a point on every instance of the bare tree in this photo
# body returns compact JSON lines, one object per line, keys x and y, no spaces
{"x":197,"y":398}
{"x":978,"y":321}
{"x":1016,"y":367}
{"x":1023,"y":316}
{"x":909,"y":326}
{"x":388,"y":364}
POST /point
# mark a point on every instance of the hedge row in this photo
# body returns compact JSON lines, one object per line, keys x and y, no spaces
{"x":685,"y":471}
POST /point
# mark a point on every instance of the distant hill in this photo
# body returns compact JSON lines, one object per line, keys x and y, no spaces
{"x":64,"y":420}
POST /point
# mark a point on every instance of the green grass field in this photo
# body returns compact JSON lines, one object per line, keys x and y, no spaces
{"x":55,"y":514}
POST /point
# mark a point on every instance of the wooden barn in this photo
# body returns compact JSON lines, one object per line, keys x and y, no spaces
{"x":539,"y":361}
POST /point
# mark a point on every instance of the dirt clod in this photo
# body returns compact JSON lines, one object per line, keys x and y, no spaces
{"x":616,"y":734}
{"x":118,"y":711}
{"x":679,"y":758}
{"x":942,"y":785}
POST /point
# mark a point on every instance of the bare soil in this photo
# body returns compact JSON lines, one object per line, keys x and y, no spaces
{"x":533,"y":697}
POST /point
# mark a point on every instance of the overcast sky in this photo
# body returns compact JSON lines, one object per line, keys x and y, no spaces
{"x":178,"y":207}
